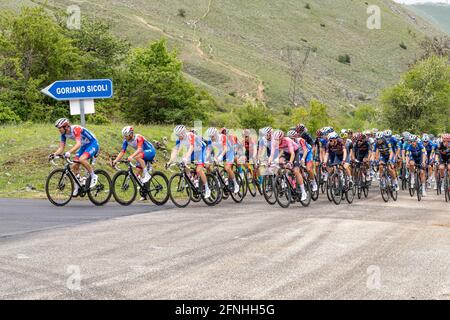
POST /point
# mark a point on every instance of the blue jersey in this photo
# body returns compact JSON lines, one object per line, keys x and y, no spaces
{"x":417,"y":151}
{"x":394,"y":143}
{"x":430,"y":148}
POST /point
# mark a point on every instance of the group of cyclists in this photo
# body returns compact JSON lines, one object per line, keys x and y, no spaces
{"x":310,"y":160}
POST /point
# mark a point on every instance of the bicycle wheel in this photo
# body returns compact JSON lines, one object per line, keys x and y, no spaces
{"x":244,"y":180}
{"x":447,"y":188}
{"x":412,"y":188}
{"x":314,"y":194}
{"x":179,"y":190}
{"x":268,"y":189}
{"x":350,"y":193}
{"x":251,"y":183}
{"x":238,"y":197}
{"x":282,"y":192}
{"x":418,"y":188}
{"x":158,"y":188}
{"x":336,"y":188}
{"x":328,"y":189}
{"x":307,"y":201}
{"x":59,"y":187}
{"x":393,"y":193}
{"x":101,"y":193}
{"x":124,"y":188}
{"x":384,"y":188}
{"x":214,"y":187}
{"x":438,"y":183}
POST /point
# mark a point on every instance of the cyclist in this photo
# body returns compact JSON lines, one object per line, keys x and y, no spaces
{"x":430,"y":147}
{"x":361,"y":150}
{"x":287,"y":150}
{"x":195,"y":152}
{"x":86,"y":146}
{"x":335,"y":150}
{"x":225,"y":152}
{"x":443,"y":155}
{"x":145,"y":152}
{"x":350,"y":155}
{"x":384,"y":154}
{"x":305,"y":156}
{"x":416,"y":155}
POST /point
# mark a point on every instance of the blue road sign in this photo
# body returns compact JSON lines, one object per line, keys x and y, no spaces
{"x":80,"y":89}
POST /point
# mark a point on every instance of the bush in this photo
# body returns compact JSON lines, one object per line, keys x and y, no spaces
{"x":402,"y":45}
{"x":7,"y":115}
{"x":307,"y":6}
{"x":181,"y":13}
{"x":255,"y":116}
{"x":345,"y":59}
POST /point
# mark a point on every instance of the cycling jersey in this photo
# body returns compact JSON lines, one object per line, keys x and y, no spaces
{"x":361,"y":149}
{"x":384,"y":147}
{"x":191,"y":139}
{"x":337,"y":148}
{"x":416,"y":152}
{"x":444,"y":153}
{"x":78,"y":133}
{"x":89,"y":144}
{"x":139,"y":142}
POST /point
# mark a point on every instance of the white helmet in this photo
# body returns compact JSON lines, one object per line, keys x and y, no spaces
{"x":332,"y":135}
{"x":343,"y":131}
{"x":212,"y":132}
{"x":379,"y":135}
{"x":388,"y":133}
{"x":126,"y":131}
{"x":266,"y":131}
{"x":292,"y":133}
{"x":62,"y":122}
{"x":278,"y":134}
{"x":425,"y":137}
{"x":179,"y":130}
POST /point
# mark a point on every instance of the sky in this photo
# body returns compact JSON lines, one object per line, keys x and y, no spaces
{"x":421,"y":1}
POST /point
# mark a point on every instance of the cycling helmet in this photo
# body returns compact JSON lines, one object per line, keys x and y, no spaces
{"x":388,"y":133}
{"x":278,"y":134}
{"x":266,"y":131}
{"x":362,"y":136}
{"x":319,"y":133}
{"x":379,"y":135}
{"x":349,"y":131}
{"x":292,"y":133}
{"x":62,"y":122}
{"x":127,"y":131}
{"x":224,"y":130}
{"x":413,"y":138}
{"x":332,"y":135}
{"x":178,"y":130}
{"x":212,"y":132}
{"x":425,"y":137}
{"x":300,"y":128}
{"x":246,"y":132}
{"x":446,"y":137}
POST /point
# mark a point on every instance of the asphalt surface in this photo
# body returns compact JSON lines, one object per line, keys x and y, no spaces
{"x":367,"y":250}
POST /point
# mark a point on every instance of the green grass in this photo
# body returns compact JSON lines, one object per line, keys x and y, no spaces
{"x":24,"y":149}
{"x":249,"y":36}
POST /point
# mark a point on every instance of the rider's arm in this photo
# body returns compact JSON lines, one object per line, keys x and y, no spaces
{"x":139,"y":149}
{"x":175,"y":151}
{"x":62,"y":145}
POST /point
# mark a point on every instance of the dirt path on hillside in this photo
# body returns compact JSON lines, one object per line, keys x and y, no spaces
{"x":260,"y":95}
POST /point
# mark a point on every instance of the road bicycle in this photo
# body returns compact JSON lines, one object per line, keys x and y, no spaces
{"x":415,"y":188}
{"x":227,"y":186}
{"x":186,"y":186}
{"x":361,"y":180}
{"x":339,"y":185}
{"x":387,"y":187}
{"x":60,"y":184}
{"x":286,"y":191}
{"x":125,"y":185}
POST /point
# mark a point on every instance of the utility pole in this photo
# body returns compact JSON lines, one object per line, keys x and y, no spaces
{"x":296,"y":64}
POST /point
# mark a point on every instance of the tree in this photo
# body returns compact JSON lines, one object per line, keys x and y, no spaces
{"x":421,"y":101}
{"x":154,"y":90}
{"x":255,"y":116}
{"x":102,"y":51}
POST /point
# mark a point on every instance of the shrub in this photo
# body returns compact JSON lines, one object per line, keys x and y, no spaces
{"x":7,"y":115}
{"x":402,"y":45}
{"x":344,"y":59}
{"x":255,"y":116}
{"x":307,"y":6}
{"x":181,"y":13}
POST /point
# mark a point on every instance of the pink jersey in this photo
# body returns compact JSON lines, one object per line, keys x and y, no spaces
{"x":287,"y":145}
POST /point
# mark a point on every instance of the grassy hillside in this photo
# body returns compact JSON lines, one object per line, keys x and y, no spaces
{"x":439,"y":14}
{"x":23,"y":156}
{"x":235,"y":48}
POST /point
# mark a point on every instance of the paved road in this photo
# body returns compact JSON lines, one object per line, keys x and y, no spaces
{"x":368,"y":250}
{"x":21,"y":216}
